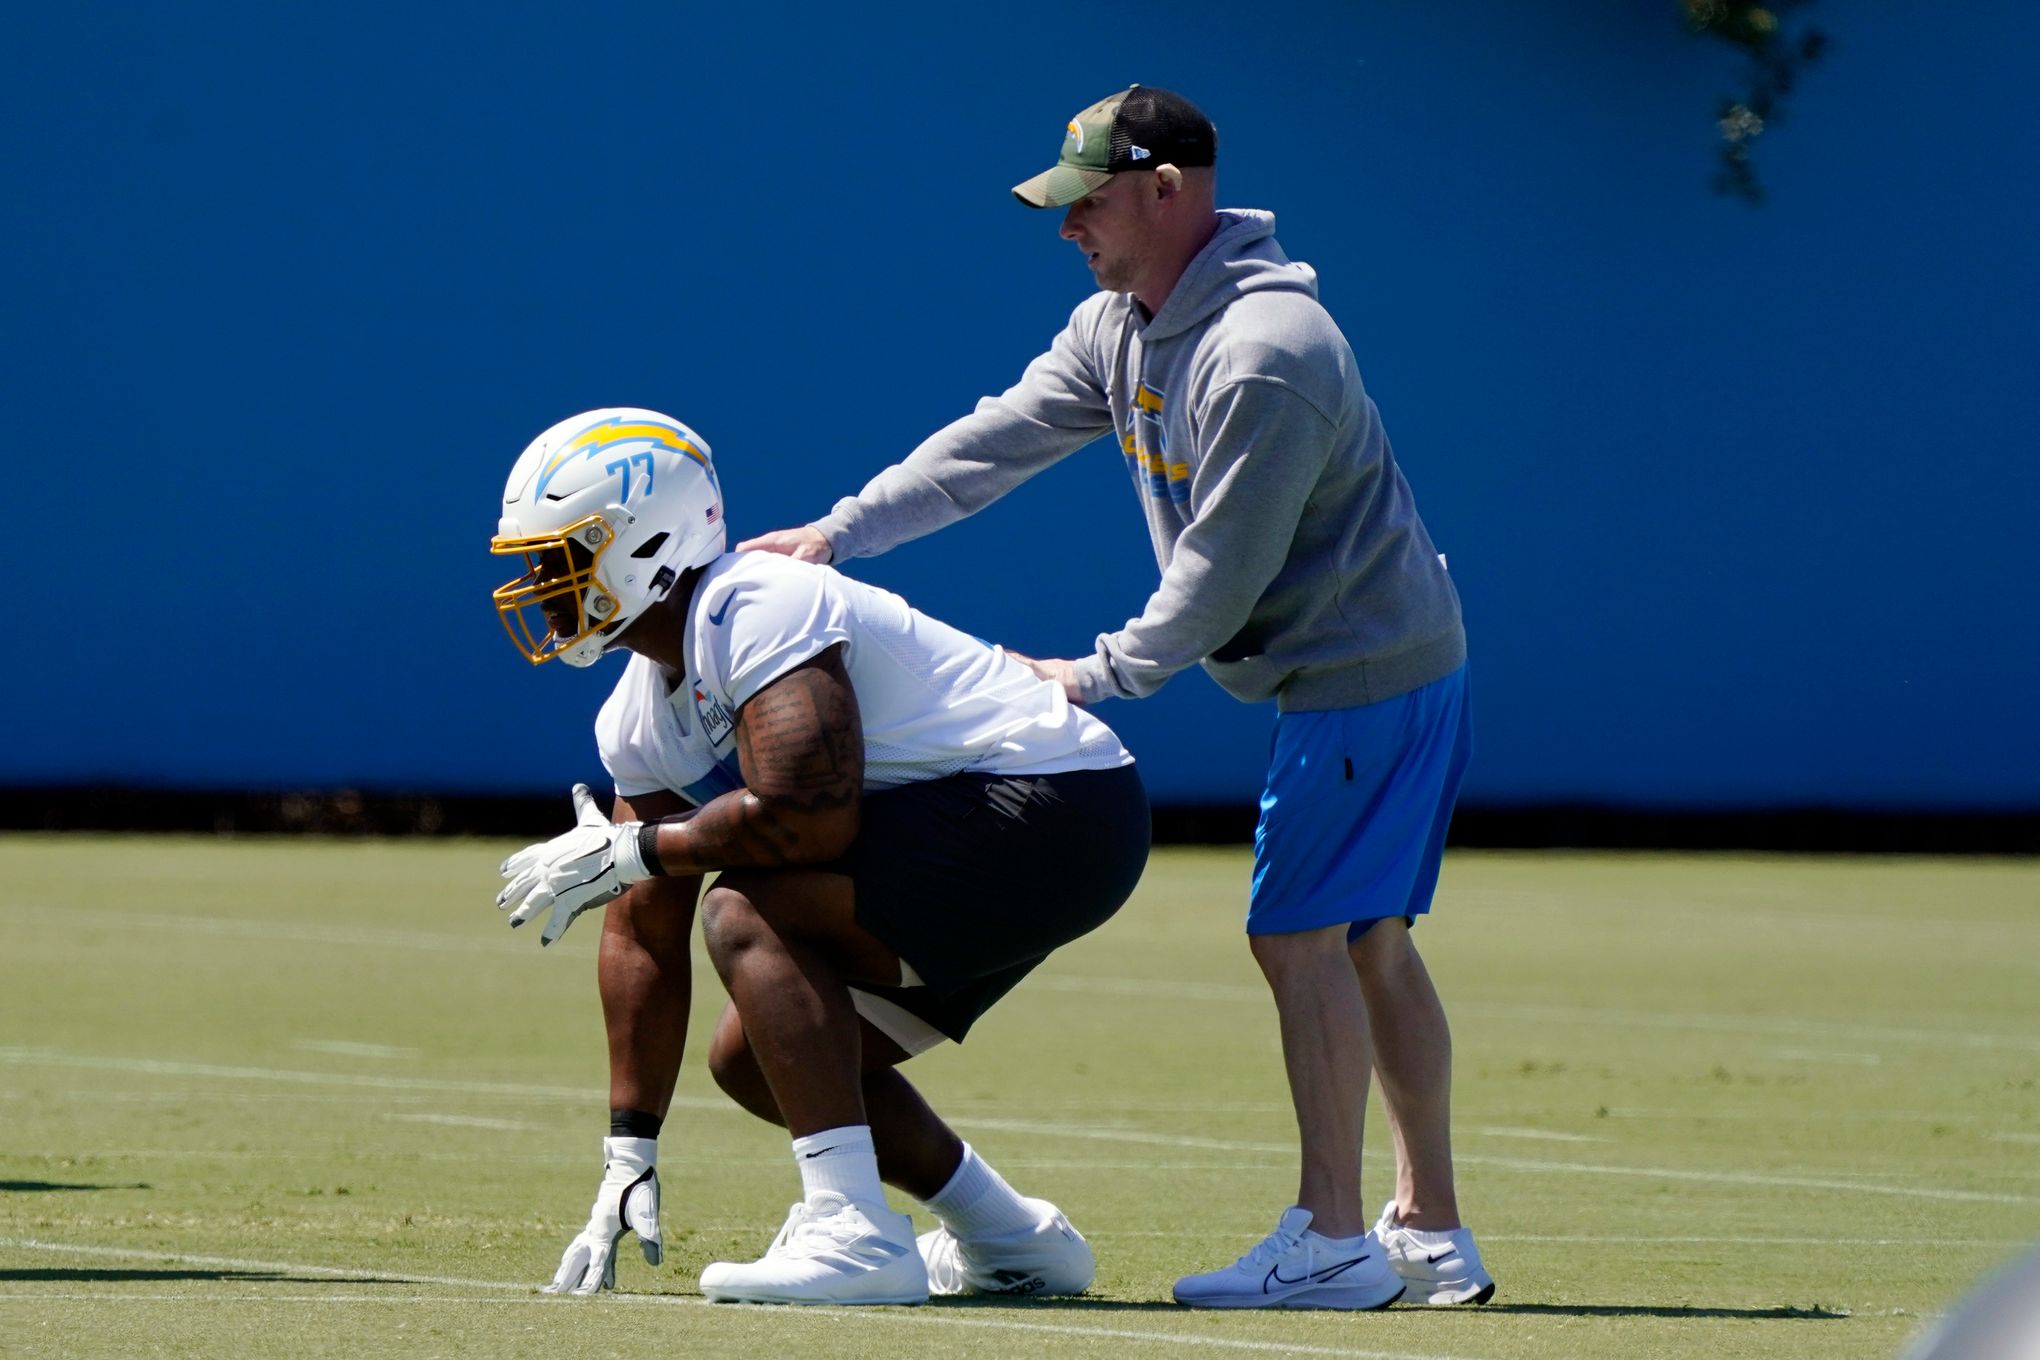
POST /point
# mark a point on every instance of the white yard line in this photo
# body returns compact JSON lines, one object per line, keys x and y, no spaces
{"x":489,"y":933}
{"x":1776,"y":1025}
{"x":1519,"y":1164}
{"x":1780,"y":1026}
{"x":1750,"y":1178}
{"x":994,"y":1104}
{"x":23,"y":1056}
{"x":357,"y":1274}
{"x":463,"y":1121}
{"x":1165,"y":989}
{"x":1716,"y":1113}
{"x":434,"y":1092}
{"x":348,"y":1048}
{"x":1975,"y":1243}
{"x":1140,"y":1136}
{"x":36,"y":1057}
{"x":1166,"y":1339}
{"x":430,"y":1301}
{"x":1144,"y":1164}
{"x":323,"y":1152}
{"x":1488,"y":1239}
{"x":1225,"y":1145}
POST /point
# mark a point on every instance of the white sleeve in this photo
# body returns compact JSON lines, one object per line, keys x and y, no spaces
{"x":615,"y":727}
{"x":775,"y":617}
{"x":641,"y":749}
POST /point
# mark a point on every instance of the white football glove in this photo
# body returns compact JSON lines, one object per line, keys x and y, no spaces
{"x":586,"y":867}
{"x":628,"y":1201}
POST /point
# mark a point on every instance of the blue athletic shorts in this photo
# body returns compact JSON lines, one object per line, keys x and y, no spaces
{"x":1353,"y":819}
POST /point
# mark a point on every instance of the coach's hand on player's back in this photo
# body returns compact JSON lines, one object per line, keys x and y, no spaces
{"x":1062,"y":674}
{"x":805,"y":544}
{"x":627,"y":1201}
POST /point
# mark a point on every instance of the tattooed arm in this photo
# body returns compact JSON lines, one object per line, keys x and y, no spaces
{"x":801,"y":747}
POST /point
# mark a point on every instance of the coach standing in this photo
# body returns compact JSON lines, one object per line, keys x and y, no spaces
{"x":1294,"y":567}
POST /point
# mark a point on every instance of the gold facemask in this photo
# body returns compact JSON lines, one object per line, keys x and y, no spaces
{"x":559,"y":567}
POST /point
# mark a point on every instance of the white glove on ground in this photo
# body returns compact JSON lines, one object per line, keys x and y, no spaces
{"x":627,"y":1201}
{"x":587,"y":867}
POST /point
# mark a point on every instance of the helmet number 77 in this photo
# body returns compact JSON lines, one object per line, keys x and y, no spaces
{"x":621,"y":467}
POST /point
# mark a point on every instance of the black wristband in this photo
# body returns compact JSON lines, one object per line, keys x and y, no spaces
{"x":648,"y":850}
{"x":634,"y":1124}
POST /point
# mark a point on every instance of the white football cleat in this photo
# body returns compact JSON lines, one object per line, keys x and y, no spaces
{"x":1440,"y":1268}
{"x":1292,"y":1269}
{"x":1049,"y":1258}
{"x":830,"y":1251}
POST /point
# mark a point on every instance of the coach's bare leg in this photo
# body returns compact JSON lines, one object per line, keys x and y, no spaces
{"x":1413,"y":1057}
{"x":646,"y":979}
{"x":1324,"y":1047}
{"x":917,"y":1152}
{"x":785,"y":943}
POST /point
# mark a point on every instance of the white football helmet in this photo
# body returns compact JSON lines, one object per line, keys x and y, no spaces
{"x":607,"y":509}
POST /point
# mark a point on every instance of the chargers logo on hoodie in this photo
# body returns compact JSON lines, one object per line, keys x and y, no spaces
{"x":1146,"y":446}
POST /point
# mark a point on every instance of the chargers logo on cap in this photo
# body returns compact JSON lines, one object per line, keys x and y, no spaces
{"x":1077,"y":132}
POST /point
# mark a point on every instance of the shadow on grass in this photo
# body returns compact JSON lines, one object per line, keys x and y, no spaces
{"x":43,"y":1187}
{"x":130,"y":1275}
{"x":1060,"y":1303}
{"x":1065,"y":1305}
{"x":1646,"y":1310}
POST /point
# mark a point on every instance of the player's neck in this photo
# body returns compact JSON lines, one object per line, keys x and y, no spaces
{"x":660,"y":634}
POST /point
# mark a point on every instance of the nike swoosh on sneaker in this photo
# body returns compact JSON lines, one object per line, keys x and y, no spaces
{"x":1434,"y":1260}
{"x":1329,"y":1273}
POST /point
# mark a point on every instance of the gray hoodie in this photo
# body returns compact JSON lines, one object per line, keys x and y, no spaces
{"x":1293,"y":562}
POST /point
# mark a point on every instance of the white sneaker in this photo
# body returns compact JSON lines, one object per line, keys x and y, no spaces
{"x":1049,"y":1258}
{"x":830,"y":1251}
{"x":1293,"y":1268}
{"x":1440,"y":1268}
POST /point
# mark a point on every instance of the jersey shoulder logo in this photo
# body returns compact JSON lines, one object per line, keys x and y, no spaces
{"x":716,"y":722}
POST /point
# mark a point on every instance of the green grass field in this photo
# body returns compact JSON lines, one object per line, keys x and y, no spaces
{"x":311,"y":1098}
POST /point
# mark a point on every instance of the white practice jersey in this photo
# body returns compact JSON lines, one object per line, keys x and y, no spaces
{"x":934,"y":701}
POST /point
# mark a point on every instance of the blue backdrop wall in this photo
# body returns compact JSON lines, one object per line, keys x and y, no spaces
{"x":1741,"y":501}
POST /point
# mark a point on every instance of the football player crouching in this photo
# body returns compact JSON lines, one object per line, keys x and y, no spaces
{"x":905,"y":821}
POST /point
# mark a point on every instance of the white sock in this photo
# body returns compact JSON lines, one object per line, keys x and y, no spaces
{"x":842,"y":1160}
{"x":1337,"y":1243}
{"x":1425,"y":1237}
{"x":977,"y":1202}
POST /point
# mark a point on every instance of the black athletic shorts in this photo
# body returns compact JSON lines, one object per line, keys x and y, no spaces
{"x":974,"y":879}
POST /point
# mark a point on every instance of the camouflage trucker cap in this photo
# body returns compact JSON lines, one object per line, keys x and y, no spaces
{"x":1136,"y":129}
